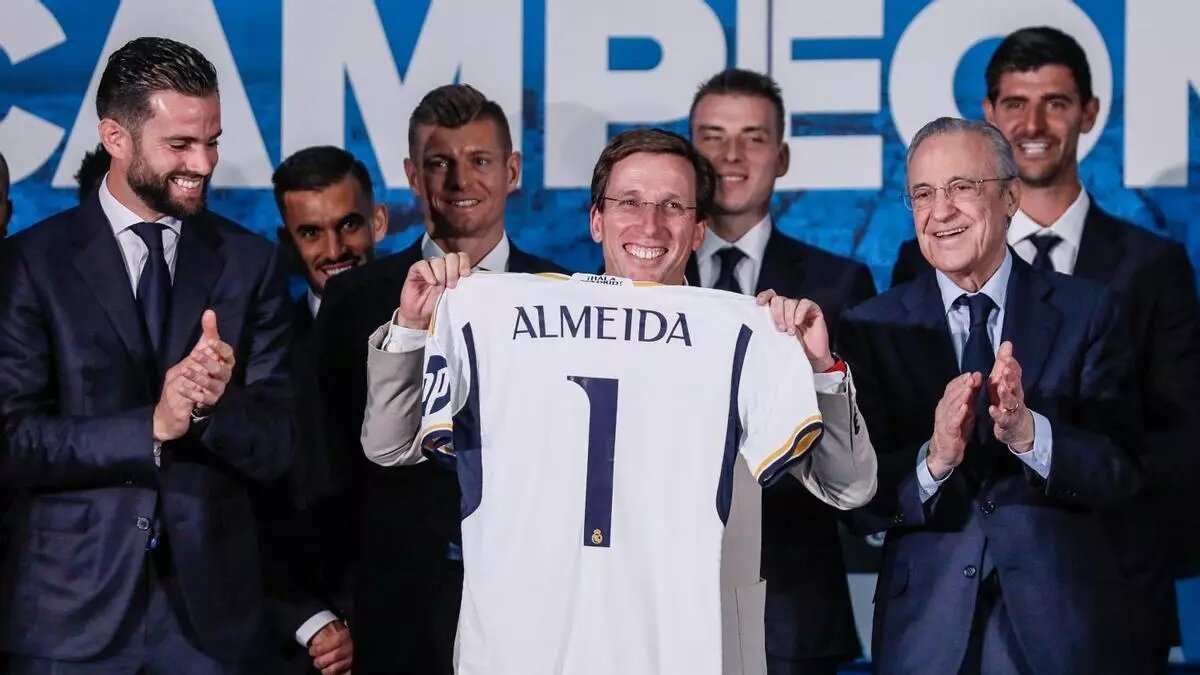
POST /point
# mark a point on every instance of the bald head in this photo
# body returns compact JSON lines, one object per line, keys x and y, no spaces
{"x":5,"y":204}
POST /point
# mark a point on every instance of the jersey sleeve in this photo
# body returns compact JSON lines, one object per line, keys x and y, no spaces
{"x":777,"y":403}
{"x":445,"y":383}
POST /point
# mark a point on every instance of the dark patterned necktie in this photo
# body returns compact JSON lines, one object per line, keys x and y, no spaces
{"x":979,"y":357}
{"x":729,"y":257}
{"x":1044,"y":243}
{"x":154,"y":285}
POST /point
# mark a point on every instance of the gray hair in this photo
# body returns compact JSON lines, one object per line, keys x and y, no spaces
{"x":1002,"y":150}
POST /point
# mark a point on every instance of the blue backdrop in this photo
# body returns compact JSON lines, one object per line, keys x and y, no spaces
{"x":873,"y":64}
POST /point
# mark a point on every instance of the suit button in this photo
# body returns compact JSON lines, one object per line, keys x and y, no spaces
{"x":143,"y":523}
{"x":969,"y":571}
{"x":987,"y":507}
{"x":899,"y":519}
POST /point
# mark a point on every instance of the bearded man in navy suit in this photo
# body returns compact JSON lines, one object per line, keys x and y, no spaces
{"x":133,"y":421}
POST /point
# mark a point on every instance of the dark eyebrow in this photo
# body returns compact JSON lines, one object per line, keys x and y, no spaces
{"x":1057,"y":96}
{"x":191,"y":139}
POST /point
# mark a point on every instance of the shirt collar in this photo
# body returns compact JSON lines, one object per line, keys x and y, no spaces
{"x":314,"y":303}
{"x":495,"y":261}
{"x":1069,"y":225}
{"x":996,"y":288}
{"x":753,"y":243}
{"x":121,"y":218}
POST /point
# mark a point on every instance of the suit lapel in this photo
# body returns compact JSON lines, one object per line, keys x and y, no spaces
{"x":931,"y":339}
{"x":691,"y":272}
{"x":198,"y":265}
{"x":1030,"y":322}
{"x":783,"y":267}
{"x":521,"y":262}
{"x":97,"y":258}
{"x":1099,"y":248}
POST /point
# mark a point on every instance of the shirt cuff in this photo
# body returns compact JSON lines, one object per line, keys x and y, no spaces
{"x":928,"y":484}
{"x":157,"y":454}
{"x":828,"y":383}
{"x":400,"y":339}
{"x":309,"y":629}
{"x":1038,"y":458}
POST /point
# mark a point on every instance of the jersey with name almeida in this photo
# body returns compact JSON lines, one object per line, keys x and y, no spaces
{"x":597,"y":427}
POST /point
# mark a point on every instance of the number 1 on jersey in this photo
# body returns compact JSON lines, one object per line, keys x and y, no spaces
{"x":602,"y":435}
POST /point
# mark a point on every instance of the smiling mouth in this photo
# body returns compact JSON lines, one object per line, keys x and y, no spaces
{"x":734,"y":179}
{"x":187,"y":184}
{"x":336,"y":269}
{"x":947,"y":234}
{"x":463,"y":203}
{"x":645,"y":252}
{"x":1034,"y":148}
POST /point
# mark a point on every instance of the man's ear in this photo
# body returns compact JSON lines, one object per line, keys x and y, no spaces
{"x":117,"y":141}
{"x":379,"y":223}
{"x":513,"y":164}
{"x":413,"y":175}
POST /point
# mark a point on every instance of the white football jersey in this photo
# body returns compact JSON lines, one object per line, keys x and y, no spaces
{"x":598,"y":427}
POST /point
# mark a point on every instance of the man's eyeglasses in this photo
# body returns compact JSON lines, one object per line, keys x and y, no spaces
{"x":958,"y":191}
{"x":633,"y":207}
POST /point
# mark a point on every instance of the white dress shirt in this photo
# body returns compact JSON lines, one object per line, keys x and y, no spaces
{"x":958,"y":317}
{"x":314,"y":302}
{"x":1069,"y":227}
{"x":753,"y":244}
{"x":133,"y":250}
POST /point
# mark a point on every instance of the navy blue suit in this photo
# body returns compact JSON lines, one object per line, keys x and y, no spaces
{"x":1155,"y":284}
{"x":76,"y":404}
{"x":809,"y":618}
{"x":307,"y":522}
{"x":1056,"y":565}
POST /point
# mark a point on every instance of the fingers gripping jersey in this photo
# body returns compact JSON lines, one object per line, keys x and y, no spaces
{"x":599,"y":428}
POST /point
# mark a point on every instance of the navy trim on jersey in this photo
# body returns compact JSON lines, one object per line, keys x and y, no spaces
{"x":803,"y":438}
{"x":438,"y":446}
{"x":468,"y":440}
{"x":733,"y":428}
{"x":602,"y":440}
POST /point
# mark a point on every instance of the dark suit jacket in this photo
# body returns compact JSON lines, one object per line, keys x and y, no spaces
{"x":1155,"y":285}
{"x":808,"y":614}
{"x":308,"y":519}
{"x":404,"y":603}
{"x":1057,"y":565}
{"x":76,"y":402}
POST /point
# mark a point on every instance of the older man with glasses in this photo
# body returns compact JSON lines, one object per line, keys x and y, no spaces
{"x":997,"y":397}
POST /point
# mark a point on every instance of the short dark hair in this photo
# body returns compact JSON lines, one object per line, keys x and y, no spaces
{"x":657,"y":142}
{"x":741,"y":82}
{"x":147,"y":65}
{"x":1031,"y":48}
{"x":91,"y":170}
{"x":457,"y":105}
{"x":4,"y":177}
{"x":317,"y":168}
